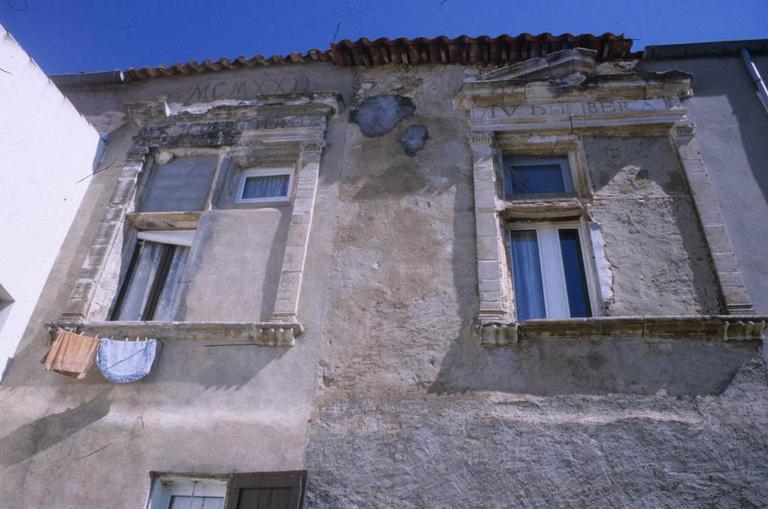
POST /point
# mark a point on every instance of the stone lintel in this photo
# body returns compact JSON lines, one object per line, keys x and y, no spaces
{"x":543,"y":208}
{"x":261,"y":333}
{"x":700,"y":328}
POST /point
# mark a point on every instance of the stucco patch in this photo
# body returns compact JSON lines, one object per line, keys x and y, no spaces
{"x":379,"y":115}
{"x":414,"y":138}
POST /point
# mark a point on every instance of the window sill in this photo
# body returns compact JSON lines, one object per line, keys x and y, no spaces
{"x":260,"y":333}
{"x":544,"y":208}
{"x":703,"y":328}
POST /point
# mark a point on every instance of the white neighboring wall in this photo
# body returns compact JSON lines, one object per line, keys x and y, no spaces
{"x":46,"y":147}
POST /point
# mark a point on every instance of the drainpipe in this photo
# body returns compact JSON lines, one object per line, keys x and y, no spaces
{"x":762,"y":91}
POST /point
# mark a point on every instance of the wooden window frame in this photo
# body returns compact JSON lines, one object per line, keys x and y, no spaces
{"x":296,"y":480}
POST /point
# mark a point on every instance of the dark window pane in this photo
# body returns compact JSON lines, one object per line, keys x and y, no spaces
{"x":575,"y":277}
{"x":526,"y":269}
{"x":268,"y":186}
{"x":544,"y":178}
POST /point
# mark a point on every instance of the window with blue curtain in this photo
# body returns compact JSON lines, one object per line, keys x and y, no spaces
{"x":526,"y":267}
{"x":265,"y":186}
{"x":533,"y":176}
{"x":549,"y":275}
{"x":575,"y":277}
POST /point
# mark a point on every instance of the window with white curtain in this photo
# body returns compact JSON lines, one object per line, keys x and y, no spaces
{"x":548,"y":270}
{"x":265,"y":185}
{"x":187,"y":493}
{"x":152,"y":286}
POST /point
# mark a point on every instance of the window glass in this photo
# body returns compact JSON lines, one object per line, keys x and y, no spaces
{"x":529,"y":292}
{"x":151,"y":285}
{"x":575,"y":277}
{"x":265,"y":186}
{"x":532,"y":176}
{"x":192,"y":502}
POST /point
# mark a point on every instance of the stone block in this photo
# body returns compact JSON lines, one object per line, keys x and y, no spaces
{"x":487,"y":248}
{"x":488,"y":269}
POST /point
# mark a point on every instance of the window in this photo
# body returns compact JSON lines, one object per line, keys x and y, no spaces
{"x":183,"y":184}
{"x":536,"y":176}
{"x":548,"y":271}
{"x":265,"y":185}
{"x":187,"y":493}
{"x":264,"y":490}
{"x":151,"y":286}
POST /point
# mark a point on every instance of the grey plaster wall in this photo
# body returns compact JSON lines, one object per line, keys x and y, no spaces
{"x":387,"y":398}
{"x":731,"y":128}
{"x":659,"y":259}
{"x":181,"y":184}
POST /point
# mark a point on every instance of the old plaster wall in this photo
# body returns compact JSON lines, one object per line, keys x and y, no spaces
{"x":387,"y":398}
{"x":731,"y":128}
{"x":659,"y":260}
{"x":412,"y":412}
{"x":205,"y":409}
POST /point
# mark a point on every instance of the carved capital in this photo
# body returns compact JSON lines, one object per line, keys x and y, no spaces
{"x":685,"y":128}
{"x":312,"y":146}
{"x":485,"y":139}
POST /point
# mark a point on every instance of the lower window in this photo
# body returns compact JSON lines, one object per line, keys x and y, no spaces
{"x":151,"y":286}
{"x":548,"y":271}
{"x":262,"y":490}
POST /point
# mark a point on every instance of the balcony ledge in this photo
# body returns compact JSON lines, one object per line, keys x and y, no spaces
{"x":702,"y":328}
{"x":260,"y":333}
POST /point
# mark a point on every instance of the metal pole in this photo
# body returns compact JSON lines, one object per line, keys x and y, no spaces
{"x":762,"y":91}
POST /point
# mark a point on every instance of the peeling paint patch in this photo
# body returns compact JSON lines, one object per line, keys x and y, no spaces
{"x":379,"y":115}
{"x":414,"y":138}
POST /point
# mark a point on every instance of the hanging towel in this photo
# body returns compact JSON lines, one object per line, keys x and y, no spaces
{"x":71,"y":354}
{"x":125,"y":361}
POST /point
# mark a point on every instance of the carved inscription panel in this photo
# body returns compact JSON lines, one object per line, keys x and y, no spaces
{"x":568,"y":109}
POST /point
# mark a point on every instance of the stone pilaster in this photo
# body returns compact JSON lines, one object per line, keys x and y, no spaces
{"x":730,"y":277}
{"x":78,"y":304}
{"x":488,"y":235}
{"x":289,"y":287}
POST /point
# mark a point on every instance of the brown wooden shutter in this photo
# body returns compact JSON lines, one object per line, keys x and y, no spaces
{"x":272,"y":490}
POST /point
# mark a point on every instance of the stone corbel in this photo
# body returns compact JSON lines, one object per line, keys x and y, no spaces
{"x":730,"y":277}
{"x":289,"y":286}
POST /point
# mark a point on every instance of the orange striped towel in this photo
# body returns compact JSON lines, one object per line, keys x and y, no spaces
{"x":71,"y":354}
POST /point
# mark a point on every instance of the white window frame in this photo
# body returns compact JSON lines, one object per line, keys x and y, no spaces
{"x":552,"y":270}
{"x":166,"y":487}
{"x":264,"y":172}
{"x":565,"y":170}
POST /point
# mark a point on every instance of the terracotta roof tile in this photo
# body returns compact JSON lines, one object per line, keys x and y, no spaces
{"x":482,"y":50}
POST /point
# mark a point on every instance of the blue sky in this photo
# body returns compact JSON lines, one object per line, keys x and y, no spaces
{"x":68,"y":36}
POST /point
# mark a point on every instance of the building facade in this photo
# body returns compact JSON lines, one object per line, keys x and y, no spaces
{"x":415,"y":273}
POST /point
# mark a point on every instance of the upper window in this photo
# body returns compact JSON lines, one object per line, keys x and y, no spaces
{"x":548,"y":271}
{"x":536,"y":176}
{"x":181,"y":185}
{"x":151,"y":286}
{"x":265,"y":184}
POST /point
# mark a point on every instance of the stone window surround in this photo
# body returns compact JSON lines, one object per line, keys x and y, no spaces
{"x":94,"y":284}
{"x":495,"y":324}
